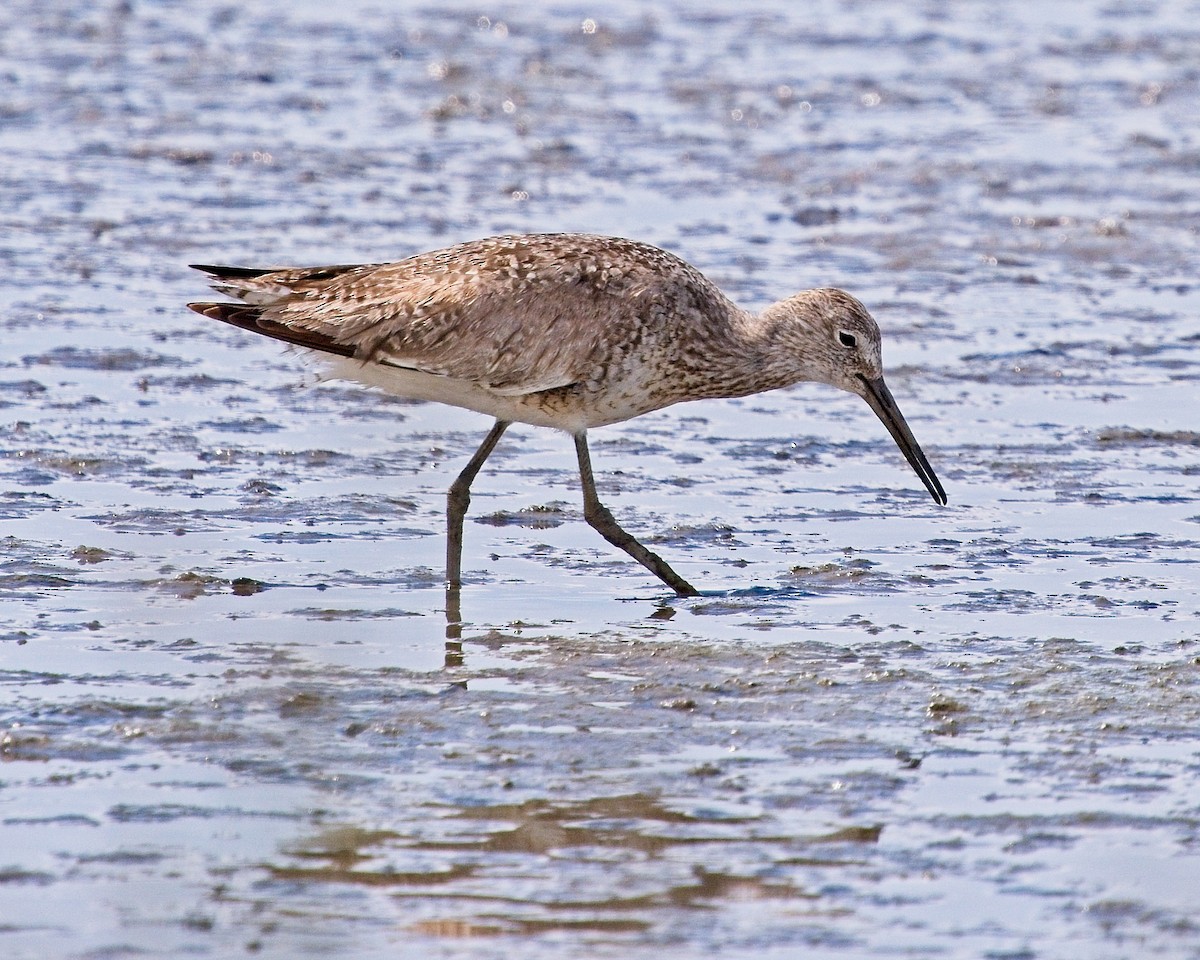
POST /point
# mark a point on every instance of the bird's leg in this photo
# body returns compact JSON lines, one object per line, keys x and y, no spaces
{"x":602,"y":521}
{"x":457,"y":502}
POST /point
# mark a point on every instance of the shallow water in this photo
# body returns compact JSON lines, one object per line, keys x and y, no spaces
{"x":235,"y":719}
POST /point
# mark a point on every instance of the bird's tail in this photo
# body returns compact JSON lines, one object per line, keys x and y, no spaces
{"x":259,"y":289}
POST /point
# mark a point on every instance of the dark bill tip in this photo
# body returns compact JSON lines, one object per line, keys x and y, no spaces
{"x":880,"y":399}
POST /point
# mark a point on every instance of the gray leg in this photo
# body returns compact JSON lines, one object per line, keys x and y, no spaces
{"x":602,"y":521}
{"x":459,"y":499}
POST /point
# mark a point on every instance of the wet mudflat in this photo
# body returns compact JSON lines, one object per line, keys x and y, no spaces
{"x":234,"y":717}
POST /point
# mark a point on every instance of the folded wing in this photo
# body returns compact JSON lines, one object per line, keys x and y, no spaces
{"x":516,"y":315}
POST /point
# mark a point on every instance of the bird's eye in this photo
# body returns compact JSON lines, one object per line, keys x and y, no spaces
{"x":847,"y":339}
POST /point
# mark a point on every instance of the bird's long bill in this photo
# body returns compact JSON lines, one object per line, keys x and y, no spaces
{"x":883,"y":403}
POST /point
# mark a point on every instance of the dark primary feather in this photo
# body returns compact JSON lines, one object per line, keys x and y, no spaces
{"x":250,"y":318}
{"x":231,"y":273}
{"x":287,"y":275}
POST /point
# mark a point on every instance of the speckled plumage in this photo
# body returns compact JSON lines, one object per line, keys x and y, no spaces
{"x":558,"y":330}
{"x":561,"y":330}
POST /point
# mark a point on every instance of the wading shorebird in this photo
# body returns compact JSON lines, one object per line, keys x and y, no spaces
{"x":560,"y":330}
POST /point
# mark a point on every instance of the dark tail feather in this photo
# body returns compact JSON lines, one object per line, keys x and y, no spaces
{"x":232,"y":273}
{"x":284,"y":276}
{"x":249,"y":317}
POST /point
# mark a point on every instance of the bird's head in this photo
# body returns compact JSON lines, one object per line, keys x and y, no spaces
{"x":828,"y":336}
